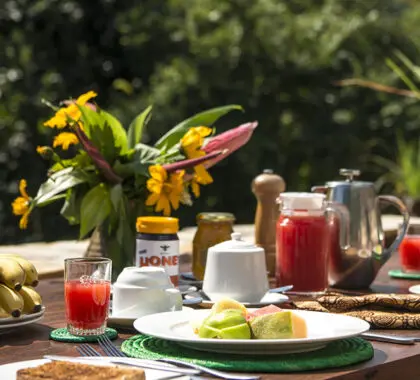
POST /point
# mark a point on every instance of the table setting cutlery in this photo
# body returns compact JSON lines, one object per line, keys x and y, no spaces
{"x":387,"y":338}
{"x":116,"y":356}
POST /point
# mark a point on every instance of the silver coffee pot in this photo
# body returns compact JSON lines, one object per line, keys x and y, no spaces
{"x":360,"y":250}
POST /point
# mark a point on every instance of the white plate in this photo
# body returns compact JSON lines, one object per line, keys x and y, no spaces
{"x":9,"y":371}
{"x":322,"y":328}
{"x":25,"y":319}
{"x":268,"y":299}
{"x":115,"y":321}
{"x":414,"y":289}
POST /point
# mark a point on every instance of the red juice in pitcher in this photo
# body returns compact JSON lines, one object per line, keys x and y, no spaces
{"x":302,"y":238}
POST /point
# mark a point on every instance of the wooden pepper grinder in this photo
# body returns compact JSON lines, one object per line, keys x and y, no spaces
{"x":267,"y":187}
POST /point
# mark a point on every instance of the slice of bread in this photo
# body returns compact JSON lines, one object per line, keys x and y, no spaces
{"x":73,"y":371}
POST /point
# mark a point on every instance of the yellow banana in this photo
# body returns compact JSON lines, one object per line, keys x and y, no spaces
{"x":28,"y":267}
{"x":11,"y":273}
{"x":32,"y":300}
{"x":4,"y":313}
{"x":11,"y":301}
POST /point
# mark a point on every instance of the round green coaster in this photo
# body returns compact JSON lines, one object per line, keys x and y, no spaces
{"x":335,"y":354}
{"x":63,"y":335}
{"x":398,"y":273}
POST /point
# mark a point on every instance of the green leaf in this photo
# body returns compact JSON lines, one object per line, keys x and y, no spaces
{"x":96,"y":206}
{"x":71,"y":207}
{"x":397,"y":70}
{"x":51,"y":200}
{"x":105,"y":132}
{"x":128,"y":169}
{"x":145,"y":153}
{"x":135,"y":131}
{"x":116,"y":195}
{"x":80,"y":160}
{"x":206,"y":118}
{"x":59,"y":182}
{"x":120,"y":135}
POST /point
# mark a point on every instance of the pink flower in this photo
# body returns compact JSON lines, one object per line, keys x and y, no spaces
{"x":229,"y":142}
{"x":189,"y":163}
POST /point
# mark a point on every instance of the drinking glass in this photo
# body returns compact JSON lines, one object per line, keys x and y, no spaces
{"x":409,"y":250}
{"x":87,"y":288}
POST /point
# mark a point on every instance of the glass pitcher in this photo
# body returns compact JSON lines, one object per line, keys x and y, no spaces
{"x":304,"y":234}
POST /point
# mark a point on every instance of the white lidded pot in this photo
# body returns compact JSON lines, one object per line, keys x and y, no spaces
{"x":236,"y":269}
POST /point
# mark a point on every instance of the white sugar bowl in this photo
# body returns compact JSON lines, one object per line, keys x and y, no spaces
{"x":236,"y":269}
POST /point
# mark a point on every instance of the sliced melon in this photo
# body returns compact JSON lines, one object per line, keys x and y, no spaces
{"x":236,"y":332}
{"x":270,"y":309}
{"x":300,"y":329}
{"x":228,"y":324}
{"x":278,"y":325}
{"x":226,"y":318}
{"x":272,"y":326}
{"x":228,"y":303}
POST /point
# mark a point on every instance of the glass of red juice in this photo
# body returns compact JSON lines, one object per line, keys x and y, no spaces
{"x":87,"y":288}
{"x":409,"y":250}
{"x":303,"y":233}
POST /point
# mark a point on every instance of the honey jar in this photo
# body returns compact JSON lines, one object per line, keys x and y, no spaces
{"x":157,"y":244}
{"x":213,"y":228}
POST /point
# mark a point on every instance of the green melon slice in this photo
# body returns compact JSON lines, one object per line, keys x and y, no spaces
{"x":272,"y":326}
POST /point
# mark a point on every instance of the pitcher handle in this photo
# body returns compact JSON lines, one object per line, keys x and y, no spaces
{"x":399,"y":204}
{"x":175,"y":299}
{"x":342,"y":212}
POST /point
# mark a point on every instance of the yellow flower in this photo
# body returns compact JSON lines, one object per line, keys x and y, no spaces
{"x":60,"y":119}
{"x":196,"y":181}
{"x":65,"y":139}
{"x":21,"y":205}
{"x":165,"y":191}
{"x":41,"y":150}
{"x":193,"y":140}
{"x":191,"y":144}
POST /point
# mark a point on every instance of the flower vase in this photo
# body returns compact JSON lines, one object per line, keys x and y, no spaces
{"x":103,"y":245}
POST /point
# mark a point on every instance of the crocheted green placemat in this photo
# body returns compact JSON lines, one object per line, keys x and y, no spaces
{"x":398,"y":273}
{"x":336,"y":354}
{"x":62,"y":335}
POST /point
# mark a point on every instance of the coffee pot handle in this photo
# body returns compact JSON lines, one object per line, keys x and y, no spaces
{"x":399,"y":204}
{"x":174,"y":298}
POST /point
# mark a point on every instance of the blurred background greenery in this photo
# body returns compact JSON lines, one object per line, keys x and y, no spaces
{"x":280,"y":59}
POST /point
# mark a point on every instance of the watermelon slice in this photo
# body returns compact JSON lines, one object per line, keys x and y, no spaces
{"x":270,"y":309}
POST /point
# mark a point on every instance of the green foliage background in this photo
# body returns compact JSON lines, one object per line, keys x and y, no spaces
{"x":278,"y":58}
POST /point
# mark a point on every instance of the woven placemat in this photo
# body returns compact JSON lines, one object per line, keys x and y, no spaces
{"x":336,"y":354}
{"x":398,"y":273}
{"x":63,"y":335}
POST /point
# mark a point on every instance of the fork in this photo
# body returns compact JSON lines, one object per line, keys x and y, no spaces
{"x":89,"y":351}
{"x":220,"y":374}
{"x":109,"y":348}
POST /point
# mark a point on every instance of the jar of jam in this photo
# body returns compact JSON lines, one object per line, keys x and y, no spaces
{"x":303,"y":237}
{"x":213,"y":228}
{"x":157,"y":244}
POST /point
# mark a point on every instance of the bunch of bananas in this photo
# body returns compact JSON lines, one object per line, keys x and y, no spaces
{"x":18,"y":277}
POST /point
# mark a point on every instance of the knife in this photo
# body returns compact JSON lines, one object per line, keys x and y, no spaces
{"x":389,"y":338}
{"x":125,"y":361}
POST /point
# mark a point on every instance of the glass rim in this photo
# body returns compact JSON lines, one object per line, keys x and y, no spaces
{"x":88,"y":260}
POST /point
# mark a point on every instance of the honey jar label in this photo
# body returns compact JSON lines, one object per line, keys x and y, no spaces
{"x":158,"y":254}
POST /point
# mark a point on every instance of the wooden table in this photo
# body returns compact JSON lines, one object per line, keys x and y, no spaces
{"x":391,"y":361}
